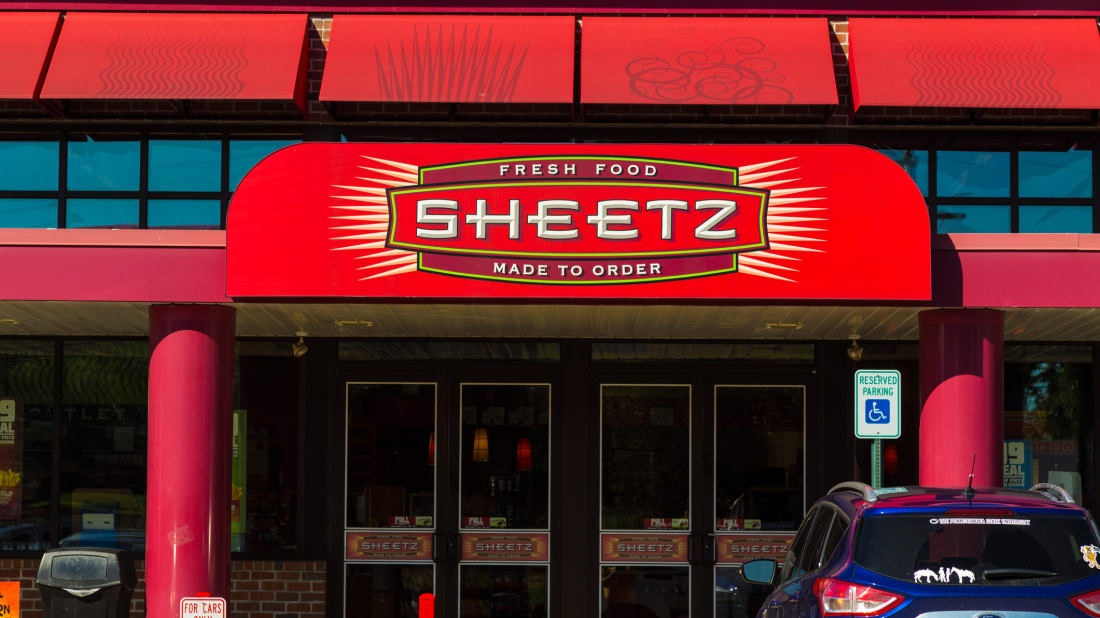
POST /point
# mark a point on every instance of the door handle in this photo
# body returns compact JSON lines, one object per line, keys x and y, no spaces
{"x":454,"y":547}
{"x":710,"y":549}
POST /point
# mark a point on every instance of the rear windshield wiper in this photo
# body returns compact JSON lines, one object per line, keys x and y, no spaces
{"x":998,"y":574}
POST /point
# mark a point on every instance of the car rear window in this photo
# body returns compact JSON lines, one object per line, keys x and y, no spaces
{"x":965,"y":548}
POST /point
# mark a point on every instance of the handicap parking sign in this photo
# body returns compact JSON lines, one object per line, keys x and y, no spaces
{"x":878,"y":403}
{"x":877,"y":411}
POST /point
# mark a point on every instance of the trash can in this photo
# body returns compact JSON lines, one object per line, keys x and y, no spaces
{"x":81,"y":582}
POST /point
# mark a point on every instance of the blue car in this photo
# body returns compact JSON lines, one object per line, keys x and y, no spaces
{"x":937,"y":553}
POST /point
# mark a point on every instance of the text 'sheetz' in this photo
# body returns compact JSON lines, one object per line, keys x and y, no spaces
{"x":577,"y":220}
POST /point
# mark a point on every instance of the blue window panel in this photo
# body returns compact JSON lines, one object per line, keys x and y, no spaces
{"x":194,"y":214}
{"x":185,"y":165}
{"x":104,"y":166}
{"x":245,"y":154}
{"x":972,"y":174}
{"x":915,"y":163}
{"x":1075,"y":219}
{"x":967,"y":219}
{"x":32,"y":212}
{"x":29,"y":166}
{"x":1056,"y":174}
{"x":105,"y":213}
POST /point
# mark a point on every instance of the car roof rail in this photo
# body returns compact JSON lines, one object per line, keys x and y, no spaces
{"x":1054,"y":492}
{"x":863,"y":489}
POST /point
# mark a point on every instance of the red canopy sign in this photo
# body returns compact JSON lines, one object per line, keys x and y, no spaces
{"x":578,"y":221}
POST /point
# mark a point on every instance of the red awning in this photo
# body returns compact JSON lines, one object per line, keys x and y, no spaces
{"x":25,"y":43}
{"x":450,"y":59}
{"x":709,"y":61}
{"x":1013,"y":63}
{"x":179,"y":56}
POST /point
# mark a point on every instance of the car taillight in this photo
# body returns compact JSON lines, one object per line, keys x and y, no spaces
{"x":840,"y":597}
{"x":1090,"y":602}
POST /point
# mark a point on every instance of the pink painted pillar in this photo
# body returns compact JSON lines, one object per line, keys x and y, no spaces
{"x":962,"y":397}
{"x":190,"y":442}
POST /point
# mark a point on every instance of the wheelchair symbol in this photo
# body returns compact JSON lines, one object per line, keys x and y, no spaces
{"x":876,"y":414}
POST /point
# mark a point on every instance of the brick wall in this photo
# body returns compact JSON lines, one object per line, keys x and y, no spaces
{"x":265,"y":589}
{"x":257,"y":589}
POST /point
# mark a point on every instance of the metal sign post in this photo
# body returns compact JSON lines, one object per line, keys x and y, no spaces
{"x":878,"y":412}
{"x":876,"y":463}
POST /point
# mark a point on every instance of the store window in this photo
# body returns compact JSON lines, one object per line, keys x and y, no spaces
{"x":101,"y":427}
{"x":1026,"y":190}
{"x":29,"y":166}
{"x":28,"y":212}
{"x":102,"y":165}
{"x":972,"y":174}
{"x":636,"y":591}
{"x":1048,"y":418}
{"x":194,"y":214}
{"x":102,"y":213}
{"x":506,"y":456}
{"x":504,"y":591}
{"x":646,"y":455}
{"x":104,"y":442}
{"x":245,"y":154}
{"x":125,"y":180}
{"x":972,"y":218}
{"x":26,"y":443}
{"x":391,"y":590}
{"x":664,"y":351}
{"x":448,"y":350}
{"x":185,"y":165}
{"x":388,"y":423}
{"x":1056,"y":174}
{"x":915,"y":163}
{"x":264,"y":499}
{"x":759,"y":457}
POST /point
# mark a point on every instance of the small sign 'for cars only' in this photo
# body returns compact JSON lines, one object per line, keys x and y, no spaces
{"x":202,"y":607}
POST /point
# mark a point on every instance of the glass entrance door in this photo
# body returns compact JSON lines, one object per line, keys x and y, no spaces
{"x":390,"y":498}
{"x":451,"y":499}
{"x":645,"y":500}
{"x":654,"y":493}
{"x":696,"y":479}
{"x":505,"y":501}
{"x":759,"y":484}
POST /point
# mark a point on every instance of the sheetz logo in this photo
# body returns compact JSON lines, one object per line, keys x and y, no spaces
{"x":577,"y":220}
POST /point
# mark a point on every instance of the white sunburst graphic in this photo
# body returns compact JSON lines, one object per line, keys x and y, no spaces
{"x":793,"y":222}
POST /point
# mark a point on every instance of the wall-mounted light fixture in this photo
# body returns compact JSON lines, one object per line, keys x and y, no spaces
{"x":855,"y":352}
{"x":299,"y":349}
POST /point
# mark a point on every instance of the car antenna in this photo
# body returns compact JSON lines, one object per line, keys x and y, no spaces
{"x":968,"y":493}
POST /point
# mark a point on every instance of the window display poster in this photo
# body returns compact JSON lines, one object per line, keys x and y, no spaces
{"x":1017,"y":463}
{"x":237,"y":499}
{"x":1057,"y":462}
{"x":11,"y":458}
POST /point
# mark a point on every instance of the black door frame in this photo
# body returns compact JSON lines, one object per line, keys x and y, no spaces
{"x":575,"y":455}
{"x":703,"y":379}
{"x":448,"y":381}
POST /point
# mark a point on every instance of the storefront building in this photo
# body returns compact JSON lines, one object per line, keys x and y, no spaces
{"x":548,"y":311}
